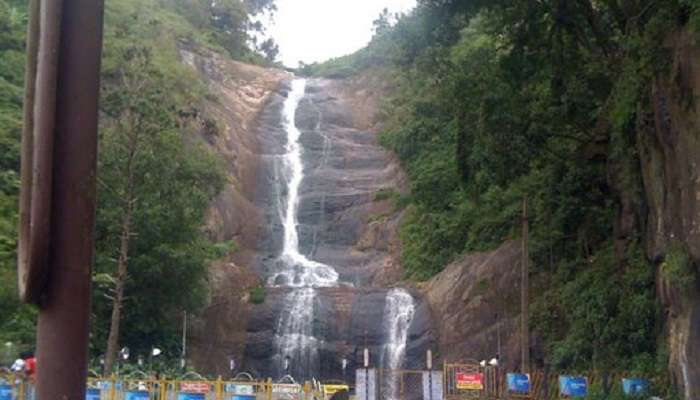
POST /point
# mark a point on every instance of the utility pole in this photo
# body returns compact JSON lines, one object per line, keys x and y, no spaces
{"x":57,"y":205}
{"x":525,"y":295}
{"x":183,"y":359}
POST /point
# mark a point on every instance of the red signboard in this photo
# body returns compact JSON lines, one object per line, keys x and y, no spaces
{"x":470,"y":381}
{"x":194,"y":387}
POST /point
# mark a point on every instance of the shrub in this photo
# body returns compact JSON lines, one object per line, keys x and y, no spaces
{"x":257,"y":295}
{"x":677,"y":267}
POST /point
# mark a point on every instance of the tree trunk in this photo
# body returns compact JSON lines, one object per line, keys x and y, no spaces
{"x":123,"y":261}
{"x":113,"y":339}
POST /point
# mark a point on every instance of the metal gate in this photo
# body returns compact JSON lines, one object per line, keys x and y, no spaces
{"x":395,"y":384}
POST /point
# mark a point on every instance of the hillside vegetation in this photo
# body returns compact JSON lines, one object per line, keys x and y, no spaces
{"x":495,"y":101}
{"x":156,"y":179}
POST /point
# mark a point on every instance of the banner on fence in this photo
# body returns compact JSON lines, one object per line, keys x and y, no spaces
{"x":366,"y":384}
{"x":432,"y":385}
{"x":518,"y":383}
{"x":90,"y":394}
{"x":635,"y":386}
{"x":191,"y":396}
{"x":469,"y":381}
{"x":286,"y":388}
{"x":329,"y":390}
{"x":5,"y":392}
{"x":194,"y":387}
{"x":137,"y":395}
{"x":237,"y":388}
{"x":573,"y":386}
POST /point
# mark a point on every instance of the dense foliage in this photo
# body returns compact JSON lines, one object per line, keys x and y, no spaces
{"x":495,"y":101}
{"x":152,"y":169}
{"x":229,"y":24}
{"x":152,"y":104}
{"x":16,"y":321}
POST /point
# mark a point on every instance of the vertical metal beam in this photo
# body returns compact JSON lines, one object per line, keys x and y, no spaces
{"x":63,"y":329}
{"x":525,"y":295}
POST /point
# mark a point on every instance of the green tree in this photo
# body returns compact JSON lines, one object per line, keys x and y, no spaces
{"x":497,"y":99}
{"x":16,"y":320}
{"x":155,"y":183}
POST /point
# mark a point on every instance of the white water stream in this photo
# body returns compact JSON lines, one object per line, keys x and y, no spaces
{"x":295,"y":344}
{"x":297,"y":269}
{"x":398,"y":314}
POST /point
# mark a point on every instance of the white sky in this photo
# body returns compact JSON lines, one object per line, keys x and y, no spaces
{"x":316,"y":30}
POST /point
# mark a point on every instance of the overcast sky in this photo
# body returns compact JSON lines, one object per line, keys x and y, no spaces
{"x":316,"y":30}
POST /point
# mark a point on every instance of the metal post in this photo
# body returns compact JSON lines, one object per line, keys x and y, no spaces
{"x":184,"y":341}
{"x":524,"y":296}
{"x":63,"y":325}
{"x":498,"y":337}
{"x":429,"y":364}
{"x":366,"y":365}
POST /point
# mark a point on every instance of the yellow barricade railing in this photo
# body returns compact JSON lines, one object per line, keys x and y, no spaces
{"x":200,"y":389}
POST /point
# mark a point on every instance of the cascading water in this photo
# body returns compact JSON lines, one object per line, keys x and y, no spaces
{"x":398,"y":314}
{"x":295,"y":341}
{"x":296,"y":269}
{"x":296,"y":345}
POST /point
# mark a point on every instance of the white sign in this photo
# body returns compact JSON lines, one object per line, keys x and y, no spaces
{"x":239,"y":389}
{"x":366,"y":384}
{"x":285,"y":388}
{"x":432,"y":385}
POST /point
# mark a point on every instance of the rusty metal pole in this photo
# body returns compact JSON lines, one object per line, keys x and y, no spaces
{"x":63,"y":327}
{"x":525,"y":295}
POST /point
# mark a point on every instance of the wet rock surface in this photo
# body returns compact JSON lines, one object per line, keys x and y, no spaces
{"x":241,"y":93}
{"x":342,"y":222}
{"x":346,"y":320}
{"x":344,"y":168}
{"x":473,"y":300}
{"x":670,"y":167}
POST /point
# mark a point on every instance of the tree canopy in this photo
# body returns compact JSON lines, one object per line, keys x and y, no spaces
{"x":149,"y":96}
{"x":493,"y":101}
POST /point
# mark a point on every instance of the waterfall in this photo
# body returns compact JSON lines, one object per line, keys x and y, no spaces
{"x":295,"y":340}
{"x":296,"y":344}
{"x":296,"y":269}
{"x":398,"y":314}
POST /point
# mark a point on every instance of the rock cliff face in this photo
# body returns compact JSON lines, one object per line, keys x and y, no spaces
{"x":241,"y":93}
{"x":476,"y":306}
{"x":347,"y":319}
{"x":344,"y":219}
{"x":669,"y":137}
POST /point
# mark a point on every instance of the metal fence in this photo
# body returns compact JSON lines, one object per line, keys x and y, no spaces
{"x":488,"y":383}
{"x":153,"y":389}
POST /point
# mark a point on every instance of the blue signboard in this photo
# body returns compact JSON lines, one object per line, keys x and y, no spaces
{"x":635,"y":386}
{"x":242,"y":397}
{"x":191,"y":396}
{"x":92,"y":394}
{"x":5,"y":392}
{"x":136,"y":395}
{"x":573,"y":386}
{"x":518,"y":383}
